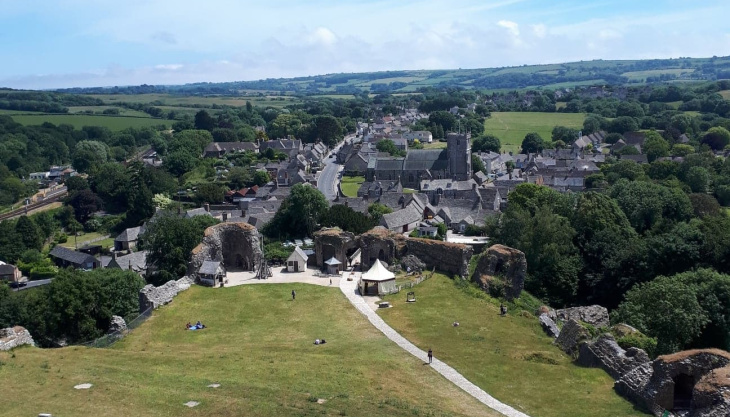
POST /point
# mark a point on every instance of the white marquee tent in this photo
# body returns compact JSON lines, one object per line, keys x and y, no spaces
{"x":378,"y":280}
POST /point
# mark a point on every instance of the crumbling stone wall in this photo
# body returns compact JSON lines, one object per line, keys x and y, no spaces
{"x":330,"y":242}
{"x":12,"y":337}
{"x":594,"y":315}
{"x":444,"y":256}
{"x":570,"y":337}
{"x":237,"y":245}
{"x":154,"y":297}
{"x":380,"y":243}
{"x":652,"y":385}
{"x":605,"y":353}
{"x":504,"y":261}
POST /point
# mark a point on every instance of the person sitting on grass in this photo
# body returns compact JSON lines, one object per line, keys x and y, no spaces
{"x":317,"y":341}
{"x":188,"y":326}
{"x":502,"y":310}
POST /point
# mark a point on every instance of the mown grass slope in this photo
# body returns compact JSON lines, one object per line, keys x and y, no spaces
{"x":258,"y":346}
{"x":509,"y":357}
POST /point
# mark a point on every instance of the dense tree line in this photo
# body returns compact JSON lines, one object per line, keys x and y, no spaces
{"x":76,"y":307}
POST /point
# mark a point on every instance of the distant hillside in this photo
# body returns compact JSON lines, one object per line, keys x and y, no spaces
{"x":528,"y":76}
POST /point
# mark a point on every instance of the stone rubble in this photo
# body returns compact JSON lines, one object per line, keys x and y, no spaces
{"x":606,"y":354}
{"x":117,"y":325}
{"x":594,"y":315}
{"x":571,"y":335}
{"x":549,"y":326}
{"x":12,"y":337}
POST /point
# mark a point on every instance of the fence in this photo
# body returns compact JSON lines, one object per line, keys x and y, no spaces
{"x":409,"y":285}
{"x":111,"y":338}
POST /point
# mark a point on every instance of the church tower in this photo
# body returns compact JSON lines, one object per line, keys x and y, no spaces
{"x":458,"y":148}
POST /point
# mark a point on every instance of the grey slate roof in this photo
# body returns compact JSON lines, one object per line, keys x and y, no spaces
{"x":431,"y":159}
{"x":402,"y":217}
{"x":209,"y":267}
{"x":389,"y":164}
{"x":136,"y":261}
{"x":129,"y":235}
{"x":68,"y":255}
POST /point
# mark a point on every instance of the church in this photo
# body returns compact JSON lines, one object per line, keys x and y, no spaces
{"x":454,"y":163}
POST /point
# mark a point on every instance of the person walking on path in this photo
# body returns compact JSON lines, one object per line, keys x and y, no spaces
{"x":430,"y":355}
{"x":293,"y":295}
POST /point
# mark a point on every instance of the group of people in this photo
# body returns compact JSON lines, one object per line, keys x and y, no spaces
{"x":196,"y":326}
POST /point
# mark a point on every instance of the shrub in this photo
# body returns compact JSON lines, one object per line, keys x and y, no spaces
{"x":43,"y":272}
{"x":641,"y":341}
{"x":62,"y":238}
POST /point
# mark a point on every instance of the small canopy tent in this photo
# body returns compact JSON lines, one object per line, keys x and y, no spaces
{"x":377,"y":281}
{"x":333,"y":266}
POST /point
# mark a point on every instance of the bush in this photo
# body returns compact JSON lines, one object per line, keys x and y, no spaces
{"x":641,"y":341}
{"x":62,"y":238}
{"x":43,"y":272}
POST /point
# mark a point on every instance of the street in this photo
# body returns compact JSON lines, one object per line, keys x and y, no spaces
{"x":329,"y":175}
{"x":36,"y":283}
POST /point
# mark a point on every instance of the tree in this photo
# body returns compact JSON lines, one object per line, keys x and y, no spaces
{"x":446,"y":120}
{"x":169,"y":239}
{"x":209,"y":193}
{"x":698,"y":179}
{"x":655,"y":146}
{"x":88,"y":154}
{"x":299,"y":213}
{"x":85,"y":203}
{"x":477,"y":165}
{"x":76,"y":183}
{"x":591,"y":124}
{"x":347,"y":219}
{"x":487,"y":143}
{"x":261,"y":178}
{"x":648,"y":205}
{"x":239,"y":177}
{"x":28,"y":234}
{"x":664,"y":308}
{"x":376,"y":211}
{"x":622,"y":125}
{"x":681,"y":149}
{"x":565,"y":134}
{"x":532,"y":143}
{"x":328,"y":130}
{"x":179,"y":162}
{"x":387,"y":145}
{"x":716,"y":138}
{"x":204,"y":121}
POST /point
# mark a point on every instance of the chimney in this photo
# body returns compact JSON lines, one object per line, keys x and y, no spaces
{"x":207,"y":207}
{"x":114,"y":255}
{"x":243,"y":213}
{"x":474,"y":186}
{"x":225,"y":216}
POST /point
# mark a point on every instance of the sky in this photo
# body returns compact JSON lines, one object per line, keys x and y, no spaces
{"x":83,"y":43}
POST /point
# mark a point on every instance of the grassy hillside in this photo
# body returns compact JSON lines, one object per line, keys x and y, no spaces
{"x":80,"y":120}
{"x":509,"y":357}
{"x":511,"y":127}
{"x":258,"y":346}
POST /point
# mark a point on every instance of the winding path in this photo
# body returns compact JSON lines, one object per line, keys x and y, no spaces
{"x":349,"y":288}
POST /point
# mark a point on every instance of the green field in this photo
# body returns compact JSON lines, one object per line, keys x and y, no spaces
{"x":350,"y":185}
{"x":511,"y":127}
{"x":122,"y":111}
{"x":509,"y":357}
{"x":642,"y":75}
{"x":725,"y":94}
{"x":13,"y":112}
{"x":184,"y":101}
{"x":258,"y":346}
{"x":80,"y":120}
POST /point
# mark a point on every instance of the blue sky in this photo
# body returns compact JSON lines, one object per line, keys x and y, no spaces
{"x":67,"y":43}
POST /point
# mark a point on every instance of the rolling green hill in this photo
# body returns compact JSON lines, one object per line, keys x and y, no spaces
{"x":615,"y":72}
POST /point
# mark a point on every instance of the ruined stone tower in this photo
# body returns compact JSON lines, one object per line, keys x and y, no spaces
{"x":459,"y":153}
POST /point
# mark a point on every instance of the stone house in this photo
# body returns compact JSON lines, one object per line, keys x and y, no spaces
{"x":64,"y":257}
{"x":218,"y":149}
{"x":135,"y":262}
{"x":9,"y":272}
{"x":423,"y":136}
{"x":211,"y":273}
{"x":128,"y":239}
{"x":297,"y":261}
{"x":403,"y":220}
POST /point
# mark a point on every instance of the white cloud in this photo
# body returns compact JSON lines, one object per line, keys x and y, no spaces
{"x":169,"y":67}
{"x":323,"y":36}
{"x":539,"y":30}
{"x":513,"y":27}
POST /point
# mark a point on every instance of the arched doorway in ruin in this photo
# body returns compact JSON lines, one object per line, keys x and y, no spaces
{"x":683,"y":386}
